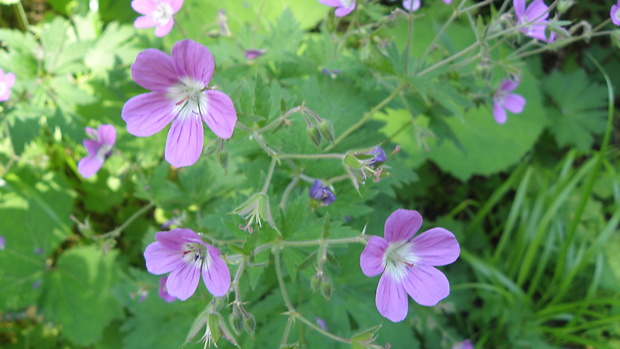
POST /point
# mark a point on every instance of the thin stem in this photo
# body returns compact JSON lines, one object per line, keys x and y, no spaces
{"x":272,"y":166}
{"x":287,"y":300}
{"x":22,"y":20}
{"x":368,"y":115}
{"x":287,"y":330}
{"x":449,"y":59}
{"x":321,"y":331}
{"x":309,"y":156}
{"x":287,"y":192}
{"x":114,"y":233}
{"x":409,"y":38}
{"x":282,"y":118}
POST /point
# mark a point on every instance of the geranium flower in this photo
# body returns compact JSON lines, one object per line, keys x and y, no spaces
{"x":503,"y":99}
{"x":536,"y":15}
{"x":343,"y":7}
{"x":183,"y":254}
{"x":98,"y":147}
{"x":615,"y":13}
{"x":180,"y":96}
{"x":379,"y":158}
{"x":408,"y":264}
{"x":157,"y":13}
{"x":6,"y":82}
{"x":321,"y":193}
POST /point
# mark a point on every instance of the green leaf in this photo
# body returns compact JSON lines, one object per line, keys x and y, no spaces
{"x":579,"y":108}
{"x":77,"y":289}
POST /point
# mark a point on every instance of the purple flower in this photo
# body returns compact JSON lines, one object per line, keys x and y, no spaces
{"x":408,"y":265}
{"x":503,"y":99}
{"x":6,"y":82}
{"x":319,"y":192}
{"x":412,"y":5}
{"x":163,"y":291}
{"x":99,"y":147}
{"x":615,"y":13}
{"x":535,"y":16}
{"x":343,"y":7}
{"x":2,"y":243}
{"x":254,"y":53}
{"x":157,"y":13}
{"x":180,"y":96}
{"x":379,"y":154}
{"x":183,"y":254}
{"x":466,"y":344}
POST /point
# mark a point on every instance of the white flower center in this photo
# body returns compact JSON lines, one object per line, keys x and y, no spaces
{"x":104,"y":150}
{"x":162,"y":13}
{"x":3,"y":87}
{"x":398,"y":258}
{"x":189,"y":98}
{"x":346,"y":3}
{"x":617,"y":14}
{"x":198,"y":254}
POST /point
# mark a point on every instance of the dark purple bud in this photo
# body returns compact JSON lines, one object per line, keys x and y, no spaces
{"x":331,"y":72}
{"x":319,"y":192}
{"x":254,"y":53}
{"x":379,"y":156}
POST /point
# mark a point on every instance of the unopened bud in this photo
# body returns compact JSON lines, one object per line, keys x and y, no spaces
{"x":327,"y":130}
{"x":222,"y":158}
{"x":249,"y":323}
{"x":315,"y":282}
{"x":314,"y":135}
{"x":236,"y":322}
{"x":564,"y":5}
{"x":326,"y":288}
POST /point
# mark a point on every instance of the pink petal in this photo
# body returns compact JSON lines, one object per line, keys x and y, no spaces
{"x":391,"y":299}
{"x":147,"y":114}
{"x":514,"y":103}
{"x":435,"y":247}
{"x":371,"y":260}
{"x":163,"y":291}
{"x":107,"y":134}
{"x":194,"y":60}
{"x":176,"y":5}
{"x":185,"y":141}
{"x":176,"y":238}
{"x":447,"y":2}
{"x":332,"y":3}
{"x":216,"y":276}
{"x":9,"y":80}
{"x":615,"y":18}
{"x":144,"y":7}
{"x":182,"y":282}
{"x":92,"y":146}
{"x":5,"y":96}
{"x":426,"y":285}
{"x":402,"y":225}
{"x":508,"y":85}
{"x":163,"y":29}
{"x":145,"y":22}
{"x":343,"y":11}
{"x":221,"y":116}
{"x":411,"y":5}
{"x":537,"y":11}
{"x":519,"y":6}
{"x":161,"y":260}
{"x":499,"y":113}
{"x":154,"y":71}
{"x":89,"y":165}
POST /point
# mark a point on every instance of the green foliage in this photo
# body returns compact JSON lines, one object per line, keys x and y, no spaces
{"x":578,"y":113}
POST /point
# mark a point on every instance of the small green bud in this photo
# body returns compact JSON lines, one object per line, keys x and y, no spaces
{"x":249,"y":323}
{"x":327,"y":130}
{"x":314,"y":135}
{"x":222,"y":158}
{"x":326,"y":288}
{"x":236,"y":322}
{"x":315,"y":282}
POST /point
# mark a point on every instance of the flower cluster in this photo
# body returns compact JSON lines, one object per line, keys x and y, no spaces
{"x":407,"y":263}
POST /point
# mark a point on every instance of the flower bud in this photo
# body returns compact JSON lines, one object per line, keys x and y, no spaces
{"x":236,"y":322}
{"x":327,"y":130}
{"x":315,"y":282}
{"x":222,"y":158}
{"x":249,"y":323}
{"x":314,"y":135}
{"x":326,"y":287}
